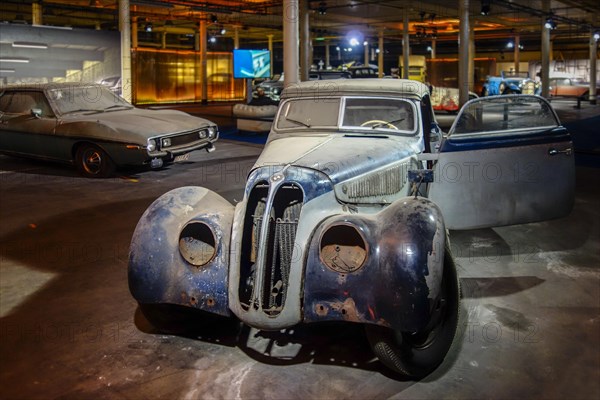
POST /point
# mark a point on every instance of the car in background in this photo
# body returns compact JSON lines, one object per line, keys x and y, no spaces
{"x":90,"y":126}
{"x":363,"y":71}
{"x":570,"y":87}
{"x":342,"y":219}
{"x":447,"y":99}
{"x":510,"y":82}
{"x":274,"y":87}
{"x":114,"y":83}
{"x":321,"y":75}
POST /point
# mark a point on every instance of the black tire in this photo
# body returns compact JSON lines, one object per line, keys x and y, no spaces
{"x":416,"y":355}
{"x":485,"y":92}
{"x":93,"y":162}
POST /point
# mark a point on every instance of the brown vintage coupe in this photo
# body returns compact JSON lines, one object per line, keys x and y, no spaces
{"x":91,"y":127}
{"x":570,"y":87}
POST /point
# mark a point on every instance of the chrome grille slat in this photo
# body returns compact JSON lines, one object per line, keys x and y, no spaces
{"x":277,"y":247}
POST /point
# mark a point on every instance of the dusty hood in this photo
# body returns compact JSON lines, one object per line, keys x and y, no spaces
{"x":339,"y":156}
{"x":144,"y":122}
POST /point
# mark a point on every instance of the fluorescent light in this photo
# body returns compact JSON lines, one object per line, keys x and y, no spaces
{"x":15,"y":60}
{"x":6,"y":70}
{"x":30,"y":45}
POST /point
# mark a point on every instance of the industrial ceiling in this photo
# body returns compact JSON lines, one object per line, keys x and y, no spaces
{"x":331,"y":19}
{"x":493,"y":21}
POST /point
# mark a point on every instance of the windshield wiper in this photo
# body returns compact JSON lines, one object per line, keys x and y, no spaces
{"x":297,"y":122}
{"x":117,"y":106}
{"x":387,"y":123}
{"x":79,"y":110}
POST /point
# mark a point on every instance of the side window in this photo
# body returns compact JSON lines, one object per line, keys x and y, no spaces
{"x":490,"y":116}
{"x":5,"y":101}
{"x":23,"y":102}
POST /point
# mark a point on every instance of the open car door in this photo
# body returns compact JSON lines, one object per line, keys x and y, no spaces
{"x":506,"y":160}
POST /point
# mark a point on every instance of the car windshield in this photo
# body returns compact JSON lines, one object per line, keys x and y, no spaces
{"x":361,"y":114}
{"x":504,"y":113}
{"x":94,"y":98}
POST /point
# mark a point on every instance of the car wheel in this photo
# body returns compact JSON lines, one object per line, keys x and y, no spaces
{"x":93,"y":162}
{"x":485,"y":92}
{"x":418,"y":354}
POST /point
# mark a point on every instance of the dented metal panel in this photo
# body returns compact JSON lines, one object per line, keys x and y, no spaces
{"x":157,"y":271}
{"x":400,"y":279}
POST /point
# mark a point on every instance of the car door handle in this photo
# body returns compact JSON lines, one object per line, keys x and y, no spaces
{"x":567,"y":152}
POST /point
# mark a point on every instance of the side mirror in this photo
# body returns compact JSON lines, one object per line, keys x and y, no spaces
{"x":36,"y":112}
{"x":436,"y":133}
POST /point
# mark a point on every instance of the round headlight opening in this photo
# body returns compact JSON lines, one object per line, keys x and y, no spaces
{"x":197,"y":243}
{"x":343,"y":248}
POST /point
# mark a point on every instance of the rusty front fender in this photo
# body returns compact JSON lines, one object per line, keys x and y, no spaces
{"x":158,"y":273}
{"x":401,"y":278}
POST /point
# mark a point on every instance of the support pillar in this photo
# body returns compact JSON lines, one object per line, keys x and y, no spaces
{"x":134,"y":32}
{"x":125,"y":28}
{"x":304,"y":41}
{"x":327,"y":56}
{"x":380,"y":56}
{"x":433,"y":48}
{"x":545,"y":72}
{"x":36,"y":14}
{"x":593,"y":66}
{"x":290,"y":42}
{"x":463,"y":52}
{"x":517,"y":53}
{"x":471,"y":71}
{"x":405,"y":45}
{"x":163,"y":40}
{"x":203,"y":61}
{"x":366,"y":53}
{"x":236,"y":38}
{"x":270,"y":44}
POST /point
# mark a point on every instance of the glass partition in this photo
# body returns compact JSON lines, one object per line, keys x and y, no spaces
{"x":174,"y":76}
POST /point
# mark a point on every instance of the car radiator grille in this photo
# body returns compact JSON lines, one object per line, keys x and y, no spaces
{"x":267,"y":250}
{"x":185,"y":138}
{"x":528,"y":88}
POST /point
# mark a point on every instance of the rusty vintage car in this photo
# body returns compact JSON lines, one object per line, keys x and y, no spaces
{"x":346,"y":214}
{"x":90,"y":126}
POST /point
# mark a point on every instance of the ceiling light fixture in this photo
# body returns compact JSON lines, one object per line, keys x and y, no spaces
{"x":322,"y":8}
{"x":7,"y":71}
{"x":15,"y":60}
{"x":550,"y":23}
{"x":30,"y":45}
{"x":596,"y":35}
{"x":148,"y":27}
{"x":486,"y":7}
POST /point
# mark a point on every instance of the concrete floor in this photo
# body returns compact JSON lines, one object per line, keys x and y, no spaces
{"x":69,"y":328}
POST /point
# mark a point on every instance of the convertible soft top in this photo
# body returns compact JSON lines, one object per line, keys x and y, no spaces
{"x":361,"y":87}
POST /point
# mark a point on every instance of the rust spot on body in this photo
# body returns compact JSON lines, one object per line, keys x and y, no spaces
{"x":321,"y":310}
